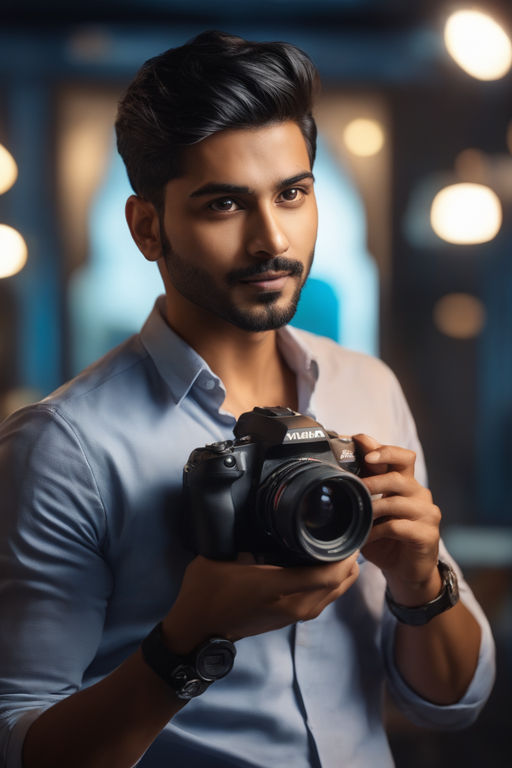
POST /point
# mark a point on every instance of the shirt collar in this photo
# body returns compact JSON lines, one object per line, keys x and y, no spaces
{"x":294,"y":346}
{"x":296,"y":351}
{"x":177,"y":363}
{"x":182,"y":367}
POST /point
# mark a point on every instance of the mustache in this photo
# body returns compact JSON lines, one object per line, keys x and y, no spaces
{"x":277,"y":264}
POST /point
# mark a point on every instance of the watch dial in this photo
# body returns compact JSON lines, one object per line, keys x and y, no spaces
{"x":215,"y":659}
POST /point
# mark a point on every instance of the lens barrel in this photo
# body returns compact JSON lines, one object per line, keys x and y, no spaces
{"x":316,"y":510}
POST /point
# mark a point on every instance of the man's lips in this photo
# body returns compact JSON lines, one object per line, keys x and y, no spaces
{"x":268,"y":280}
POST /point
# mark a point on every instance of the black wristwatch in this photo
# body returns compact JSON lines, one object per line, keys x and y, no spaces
{"x":189,"y":675}
{"x":421,"y":614}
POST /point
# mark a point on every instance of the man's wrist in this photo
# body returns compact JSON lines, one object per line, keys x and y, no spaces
{"x":413,"y":593}
{"x":191,"y":674}
{"x":182,"y":632}
{"x":420,"y":614}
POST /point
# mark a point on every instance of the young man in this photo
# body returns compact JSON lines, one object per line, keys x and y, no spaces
{"x":219,"y":144}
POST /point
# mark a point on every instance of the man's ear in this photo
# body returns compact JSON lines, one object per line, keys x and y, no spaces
{"x":144,"y":224}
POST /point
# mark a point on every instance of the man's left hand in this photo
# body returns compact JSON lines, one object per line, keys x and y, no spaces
{"x":404,"y":540}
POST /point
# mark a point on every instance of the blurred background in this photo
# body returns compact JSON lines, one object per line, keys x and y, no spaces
{"x":414,"y":259}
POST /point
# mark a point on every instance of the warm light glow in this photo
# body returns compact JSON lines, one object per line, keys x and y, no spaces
{"x":8,"y":170}
{"x":364,"y":137}
{"x":13,"y":251}
{"x":466,"y":214}
{"x":459,"y":315}
{"x":478,"y":44}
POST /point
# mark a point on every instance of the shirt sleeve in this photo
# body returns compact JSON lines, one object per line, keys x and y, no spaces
{"x":464,"y":712}
{"x":418,"y":710}
{"x":54,"y":581}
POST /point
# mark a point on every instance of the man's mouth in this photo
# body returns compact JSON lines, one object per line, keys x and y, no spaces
{"x":264,"y":277}
{"x":271,"y":272}
{"x":268,"y":281}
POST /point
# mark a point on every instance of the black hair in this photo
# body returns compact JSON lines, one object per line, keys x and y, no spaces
{"x":214,"y":82}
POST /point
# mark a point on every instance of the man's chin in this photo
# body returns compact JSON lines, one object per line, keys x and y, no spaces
{"x":264,"y":318}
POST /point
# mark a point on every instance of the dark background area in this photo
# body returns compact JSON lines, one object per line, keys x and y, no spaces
{"x":459,"y":389}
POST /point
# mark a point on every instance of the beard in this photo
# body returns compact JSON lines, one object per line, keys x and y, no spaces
{"x":265,"y":314}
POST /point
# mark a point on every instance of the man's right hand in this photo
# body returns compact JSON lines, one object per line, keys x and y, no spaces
{"x":237,"y":599}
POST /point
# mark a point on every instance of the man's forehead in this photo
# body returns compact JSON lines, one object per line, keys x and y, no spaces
{"x":247,"y":157}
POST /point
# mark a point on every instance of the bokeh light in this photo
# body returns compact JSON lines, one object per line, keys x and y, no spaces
{"x":13,"y":251}
{"x":466,"y":214}
{"x":8,"y":170}
{"x":459,"y":315}
{"x":364,"y":137}
{"x":478,"y":44}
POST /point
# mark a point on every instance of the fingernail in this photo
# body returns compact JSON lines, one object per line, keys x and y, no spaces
{"x":373,"y":456}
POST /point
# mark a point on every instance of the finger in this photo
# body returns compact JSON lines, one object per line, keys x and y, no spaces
{"x":421,"y":536}
{"x":393,"y":482}
{"x":310,"y":578}
{"x":366,"y":442}
{"x":309,"y":606}
{"x":407,"y":508}
{"x":367,"y":445}
{"x":399,"y":459}
{"x":332,"y":595}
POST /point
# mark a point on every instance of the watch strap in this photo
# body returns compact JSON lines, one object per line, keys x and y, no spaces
{"x":419,"y":615}
{"x":191,"y":674}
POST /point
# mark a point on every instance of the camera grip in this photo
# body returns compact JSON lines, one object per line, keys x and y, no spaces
{"x":214,"y":523}
{"x":211,"y":510}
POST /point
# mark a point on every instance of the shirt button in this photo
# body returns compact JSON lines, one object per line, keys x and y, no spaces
{"x":208,"y":384}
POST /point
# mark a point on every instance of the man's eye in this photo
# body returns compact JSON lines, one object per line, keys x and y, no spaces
{"x":293,"y":194}
{"x":226,"y":204}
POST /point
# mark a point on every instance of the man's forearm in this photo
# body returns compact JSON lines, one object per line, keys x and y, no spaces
{"x":438,"y":660}
{"x":109,"y":725}
{"x":112,"y":723}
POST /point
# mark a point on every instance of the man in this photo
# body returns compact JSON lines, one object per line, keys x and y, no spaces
{"x":219,"y":143}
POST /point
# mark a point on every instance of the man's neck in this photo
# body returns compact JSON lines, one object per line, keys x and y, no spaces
{"x":249,"y":364}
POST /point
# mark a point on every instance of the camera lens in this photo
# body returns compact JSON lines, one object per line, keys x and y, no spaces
{"x":315,"y":511}
{"x":325,"y":511}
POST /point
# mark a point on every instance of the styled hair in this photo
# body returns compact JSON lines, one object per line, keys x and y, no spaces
{"x":212,"y":83}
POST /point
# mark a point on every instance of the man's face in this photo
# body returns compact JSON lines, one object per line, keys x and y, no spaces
{"x":239,"y":226}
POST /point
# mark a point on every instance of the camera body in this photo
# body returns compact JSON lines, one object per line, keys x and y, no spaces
{"x":285,"y":489}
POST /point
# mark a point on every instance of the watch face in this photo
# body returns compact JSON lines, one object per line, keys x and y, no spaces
{"x":215,"y":659}
{"x":190,"y":675}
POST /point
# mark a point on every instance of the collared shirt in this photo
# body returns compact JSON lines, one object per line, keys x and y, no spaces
{"x":92,"y":556}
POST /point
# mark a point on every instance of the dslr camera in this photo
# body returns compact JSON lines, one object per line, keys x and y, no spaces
{"x":286,"y":490}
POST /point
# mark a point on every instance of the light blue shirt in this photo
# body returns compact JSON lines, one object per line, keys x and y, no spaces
{"x":91,"y":557}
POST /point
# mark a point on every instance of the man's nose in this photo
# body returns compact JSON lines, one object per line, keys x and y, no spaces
{"x":265,"y":233}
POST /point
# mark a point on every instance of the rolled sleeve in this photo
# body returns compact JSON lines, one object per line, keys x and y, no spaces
{"x":465,"y":711}
{"x":54,"y":581}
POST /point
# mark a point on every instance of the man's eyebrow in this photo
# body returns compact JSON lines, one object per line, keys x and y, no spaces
{"x":217,"y":187}
{"x":295,"y":179}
